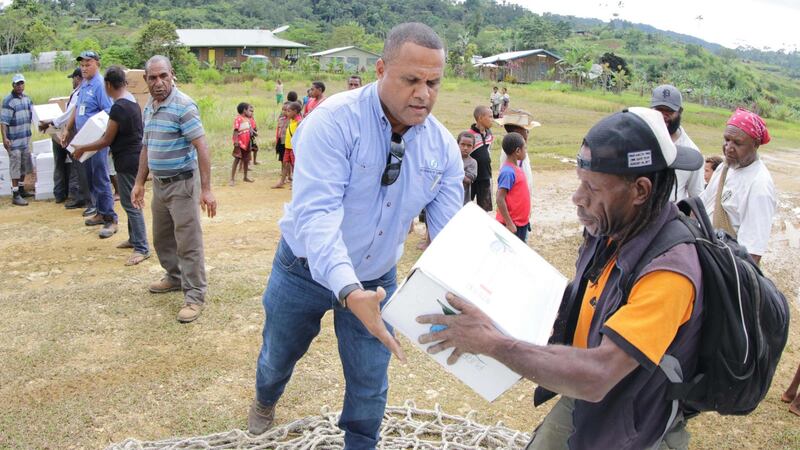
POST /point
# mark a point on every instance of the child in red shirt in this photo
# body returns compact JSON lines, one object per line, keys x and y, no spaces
{"x":243,"y":126}
{"x":513,"y":196}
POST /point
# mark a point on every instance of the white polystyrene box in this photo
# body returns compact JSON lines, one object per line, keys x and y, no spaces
{"x":44,"y":146}
{"x":44,"y":163}
{"x":48,"y":111}
{"x":44,"y":195}
{"x":92,"y":130}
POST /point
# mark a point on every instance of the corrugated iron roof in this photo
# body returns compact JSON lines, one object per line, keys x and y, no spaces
{"x":341,"y":49}
{"x":233,"y":38}
{"x":507,"y":56}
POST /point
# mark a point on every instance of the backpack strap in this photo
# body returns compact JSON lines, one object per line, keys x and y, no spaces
{"x":721,"y":219}
{"x":672,"y":369}
{"x":674,"y":232}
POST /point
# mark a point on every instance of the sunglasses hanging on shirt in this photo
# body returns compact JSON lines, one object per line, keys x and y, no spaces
{"x":397,"y":148}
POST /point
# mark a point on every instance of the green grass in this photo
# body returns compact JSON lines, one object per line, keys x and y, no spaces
{"x":566,"y":115}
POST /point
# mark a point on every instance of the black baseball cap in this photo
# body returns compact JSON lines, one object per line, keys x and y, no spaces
{"x":75,"y":73}
{"x":88,"y":54}
{"x":635,"y":141}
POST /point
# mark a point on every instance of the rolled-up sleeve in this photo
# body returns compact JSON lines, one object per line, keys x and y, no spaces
{"x":321,"y":174}
{"x":450,"y":198}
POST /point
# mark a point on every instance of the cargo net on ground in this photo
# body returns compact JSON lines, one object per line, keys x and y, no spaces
{"x":403,"y":427}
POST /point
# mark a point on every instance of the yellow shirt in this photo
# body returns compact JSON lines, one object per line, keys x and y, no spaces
{"x":290,"y":130}
{"x":658,"y":304}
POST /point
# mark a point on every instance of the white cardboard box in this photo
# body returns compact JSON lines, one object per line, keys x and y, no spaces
{"x":478,"y":259}
{"x":47,"y":111}
{"x":92,"y":130}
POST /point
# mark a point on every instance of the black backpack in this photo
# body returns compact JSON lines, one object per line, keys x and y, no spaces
{"x":745,"y":323}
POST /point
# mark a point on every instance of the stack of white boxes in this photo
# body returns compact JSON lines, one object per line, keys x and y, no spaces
{"x":5,"y":173}
{"x":44,"y":164}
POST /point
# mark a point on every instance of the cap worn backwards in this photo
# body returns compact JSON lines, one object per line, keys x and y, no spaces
{"x":635,"y":141}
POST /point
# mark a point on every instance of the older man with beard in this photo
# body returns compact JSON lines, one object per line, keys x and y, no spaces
{"x":668,"y":101}
{"x":740,"y":198}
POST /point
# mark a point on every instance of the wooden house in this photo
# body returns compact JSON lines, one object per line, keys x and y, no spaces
{"x":218,"y":47}
{"x":523,"y":66}
{"x":352,"y":58}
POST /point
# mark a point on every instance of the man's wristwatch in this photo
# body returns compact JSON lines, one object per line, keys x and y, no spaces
{"x":346,"y":291}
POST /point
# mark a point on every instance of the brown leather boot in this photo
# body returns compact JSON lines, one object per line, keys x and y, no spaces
{"x":260,"y":418}
{"x":190,"y":312}
{"x":163,"y":285}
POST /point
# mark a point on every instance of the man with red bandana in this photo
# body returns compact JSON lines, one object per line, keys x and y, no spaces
{"x":740,"y":198}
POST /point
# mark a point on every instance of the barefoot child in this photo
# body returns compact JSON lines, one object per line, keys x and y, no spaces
{"x":791,"y":396}
{"x":253,"y":135}
{"x":280,"y":140}
{"x":292,"y":113}
{"x":466,"y":142}
{"x":513,"y":196}
{"x":241,"y":140}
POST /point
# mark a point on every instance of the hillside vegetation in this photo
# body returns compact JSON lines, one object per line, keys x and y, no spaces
{"x":711,"y":75}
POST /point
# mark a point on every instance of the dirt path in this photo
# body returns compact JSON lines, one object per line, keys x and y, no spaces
{"x":89,"y":358}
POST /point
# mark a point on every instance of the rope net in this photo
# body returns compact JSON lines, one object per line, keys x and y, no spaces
{"x":403,"y":427}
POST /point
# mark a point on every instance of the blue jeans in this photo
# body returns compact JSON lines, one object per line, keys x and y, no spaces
{"x":294,"y":305}
{"x":100,"y":185}
{"x":137,"y":232}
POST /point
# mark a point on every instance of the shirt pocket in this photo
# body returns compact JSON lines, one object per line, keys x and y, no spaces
{"x":431,"y":180}
{"x":363,"y":189}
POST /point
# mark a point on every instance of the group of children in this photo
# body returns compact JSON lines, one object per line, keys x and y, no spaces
{"x":513,"y":187}
{"x":244,"y":138}
{"x":513,"y":193}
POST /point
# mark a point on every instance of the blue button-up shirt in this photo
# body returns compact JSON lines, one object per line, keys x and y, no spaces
{"x":341,"y":218}
{"x":92,"y":99}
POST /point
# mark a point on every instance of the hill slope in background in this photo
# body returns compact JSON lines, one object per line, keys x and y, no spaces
{"x":766,"y":81}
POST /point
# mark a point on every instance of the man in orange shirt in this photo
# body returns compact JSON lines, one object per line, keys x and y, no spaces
{"x":614,"y":350}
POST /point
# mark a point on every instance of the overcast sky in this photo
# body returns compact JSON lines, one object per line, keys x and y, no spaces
{"x":757,"y":23}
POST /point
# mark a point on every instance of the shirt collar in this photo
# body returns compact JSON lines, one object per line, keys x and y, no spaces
{"x":170,"y":98}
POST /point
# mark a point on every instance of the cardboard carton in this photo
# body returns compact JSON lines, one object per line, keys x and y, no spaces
{"x":60,"y":101}
{"x":136,"y":83}
{"x":142,"y":99}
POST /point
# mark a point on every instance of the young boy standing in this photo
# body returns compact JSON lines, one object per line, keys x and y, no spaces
{"x":242,"y":127}
{"x":513,"y":195}
{"x":466,"y":141}
{"x":481,"y":190}
{"x":292,"y":113}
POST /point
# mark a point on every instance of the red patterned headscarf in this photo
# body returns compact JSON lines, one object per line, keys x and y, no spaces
{"x":751,"y":123}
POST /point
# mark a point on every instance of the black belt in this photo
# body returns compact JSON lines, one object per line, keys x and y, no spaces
{"x":178,"y":177}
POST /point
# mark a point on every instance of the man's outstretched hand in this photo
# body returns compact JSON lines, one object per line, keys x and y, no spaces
{"x":471,"y":331}
{"x":366,"y":305}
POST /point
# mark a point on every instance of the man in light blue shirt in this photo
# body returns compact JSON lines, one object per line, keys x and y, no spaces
{"x":92,"y":99}
{"x":368,"y":160}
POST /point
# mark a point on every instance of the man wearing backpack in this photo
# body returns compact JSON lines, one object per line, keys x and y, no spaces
{"x":615,"y":350}
{"x":740,"y":198}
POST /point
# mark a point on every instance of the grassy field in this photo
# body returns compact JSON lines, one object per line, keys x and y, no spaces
{"x":90,"y":358}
